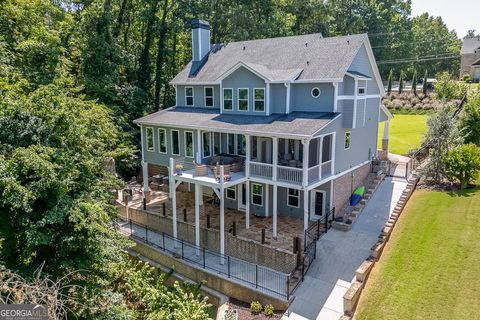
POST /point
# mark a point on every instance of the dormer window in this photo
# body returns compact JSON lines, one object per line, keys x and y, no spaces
{"x":361,"y":91}
{"x":227,"y":99}
{"x":189,"y":96}
{"x":316,"y":92}
{"x":259,"y":99}
{"x":243,"y":99}
{"x":209,"y":97}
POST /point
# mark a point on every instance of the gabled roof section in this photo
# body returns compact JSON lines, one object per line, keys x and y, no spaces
{"x":358,"y":75}
{"x":318,"y":58}
{"x":295,"y":124}
{"x":470,"y":45}
{"x":271,"y":75}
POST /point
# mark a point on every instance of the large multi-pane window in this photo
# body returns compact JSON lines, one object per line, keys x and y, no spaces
{"x":175,"y":142}
{"x":241,"y":145}
{"x":228,"y":99}
{"x":207,"y":143}
{"x":259,"y":99}
{"x":208,"y":96}
{"x":162,"y":140}
{"x":257,"y":194}
{"x":293,"y":198}
{"x":150,"y":139}
{"x":231,"y":143}
{"x":243,"y":99}
{"x":189,"y":144}
{"x":189,"y":96}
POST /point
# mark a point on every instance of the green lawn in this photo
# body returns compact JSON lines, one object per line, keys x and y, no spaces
{"x":406,"y":132}
{"x":431,"y":265}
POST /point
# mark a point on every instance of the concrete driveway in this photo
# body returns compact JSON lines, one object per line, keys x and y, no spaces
{"x":339,"y":254}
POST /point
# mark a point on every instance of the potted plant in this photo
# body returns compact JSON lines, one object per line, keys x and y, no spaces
{"x":179,"y":169}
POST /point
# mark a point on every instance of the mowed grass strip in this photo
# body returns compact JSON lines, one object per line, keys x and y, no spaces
{"x":430,"y":268}
{"x":406,"y":132}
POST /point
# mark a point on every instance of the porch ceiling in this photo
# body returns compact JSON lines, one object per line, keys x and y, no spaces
{"x":295,"y":124}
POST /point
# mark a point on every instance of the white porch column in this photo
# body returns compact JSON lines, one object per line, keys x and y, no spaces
{"x":386,"y":135}
{"x":267,"y":200}
{"x":305,"y":209}
{"x":199,"y":146}
{"x":274,"y":205}
{"x":146,"y":188}
{"x":173,"y":195}
{"x":275,"y":158}
{"x":320,"y":156}
{"x":222,"y":215}
{"x":386,"y":131}
{"x":248,"y":155}
{"x":296,"y":149}
{"x":198,"y":191}
{"x":247,"y":204}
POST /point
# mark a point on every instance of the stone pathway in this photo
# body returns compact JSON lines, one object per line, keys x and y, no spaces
{"x":339,"y":254}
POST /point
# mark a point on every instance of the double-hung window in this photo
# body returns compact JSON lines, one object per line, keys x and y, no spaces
{"x":208,"y":96}
{"x":293,"y":198}
{"x":243,"y":99}
{"x":232,"y":193}
{"x":162,"y":140}
{"x":227,"y":99}
{"x":175,"y":142}
{"x":150,"y":139}
{"x":207,"y":144}
{"x":259,"y":99}
{"x":189,"y":96}
{"x":189,"y":144}
{"x":257,"y":194}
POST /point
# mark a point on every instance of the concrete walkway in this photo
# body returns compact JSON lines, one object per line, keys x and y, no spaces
{"x":339,"y":254}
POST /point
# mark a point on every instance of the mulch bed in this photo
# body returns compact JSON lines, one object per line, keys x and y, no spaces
{"x":244,"y":313}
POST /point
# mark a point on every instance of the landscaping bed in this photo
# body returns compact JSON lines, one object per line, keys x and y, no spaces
{"x":245,"y":313}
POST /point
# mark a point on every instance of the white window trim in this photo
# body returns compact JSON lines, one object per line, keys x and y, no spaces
{"x":223,"y":100}
{"x":364,"y":91}
{"x":185,"y":144}
{"x":255,"y":100}
{"x":171,"y":138}
{"x":289,"y":195}
{"x":345,"y":139}
{"x":251,"y":194}
{"x":159,"y":140}
{"x":238,"y":99}
{"x":153,"y":139}
{"x":205,"y":97}
{"x":319,"y":94}
{"x":193,"y":96}
{"x":234,"y":187}
{"x":210,"y":146}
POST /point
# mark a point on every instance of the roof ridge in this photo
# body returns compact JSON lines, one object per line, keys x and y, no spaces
{"x":295,"y":36}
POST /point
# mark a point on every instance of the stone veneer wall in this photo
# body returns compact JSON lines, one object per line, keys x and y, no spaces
{"x":245,"y":249}
{"x":342,"y":186}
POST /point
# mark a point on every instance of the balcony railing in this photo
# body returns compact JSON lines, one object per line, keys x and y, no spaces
{"x":289,"y":174}
{"x":327,"y":169}
{"x":313,"y":173}
{"x":263,"y":170}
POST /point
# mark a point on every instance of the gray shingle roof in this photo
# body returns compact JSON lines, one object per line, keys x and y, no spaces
{"x":318,"y":58}
{"x":303,"y":124}
{"x":470,"y":44}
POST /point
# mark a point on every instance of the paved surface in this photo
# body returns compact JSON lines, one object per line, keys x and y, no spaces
{"x":339,"y":254}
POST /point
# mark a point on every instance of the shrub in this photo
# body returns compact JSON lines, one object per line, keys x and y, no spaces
{"x":256,"y":307}
{"x":269,"y":310}
{"x":463,"y":164}
{"x":470,"y":121}
{"x":448,"y":89}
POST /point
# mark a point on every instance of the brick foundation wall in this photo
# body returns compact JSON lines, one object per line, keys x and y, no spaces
{"x":342,"y":187}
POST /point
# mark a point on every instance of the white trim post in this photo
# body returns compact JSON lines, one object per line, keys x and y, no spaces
{"x":197,"y":218}
{"x":173,"y":195}
{"x":247,"y":205}
{"x":222,"y":216}
{"x":267,"y":99}
{"x":248,"y":155}
{"x":305,"y":209}
{"x":275,"y":158}
{"x":306,"y":145}
{"x":287,"y":102}
{"x":335,"y":96}
{"x":275,"y":211}
{"x":320,"y":157}
{"x":199,"y":147}
{"x":146,"y":188}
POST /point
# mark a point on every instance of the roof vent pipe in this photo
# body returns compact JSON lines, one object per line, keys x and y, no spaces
{"x":200,"y":39}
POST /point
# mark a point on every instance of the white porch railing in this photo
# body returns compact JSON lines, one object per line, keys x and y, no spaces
{"x":289,"y":174}
{"x":263,"y":170}
{"x":313,"y":173}
{"x":326,"y":169}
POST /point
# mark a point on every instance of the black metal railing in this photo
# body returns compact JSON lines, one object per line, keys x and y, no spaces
{"x":318,"y":229}
{"x":259,"y":277}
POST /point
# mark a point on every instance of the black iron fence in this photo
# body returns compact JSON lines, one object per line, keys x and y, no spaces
{"x":259,"y":277}
{"x":316,"y":230}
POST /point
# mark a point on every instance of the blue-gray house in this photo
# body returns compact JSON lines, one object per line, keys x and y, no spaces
{"x":282,"y":126}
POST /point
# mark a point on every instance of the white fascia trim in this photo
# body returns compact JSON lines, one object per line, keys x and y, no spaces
{"x":235,"y":67}
{"x":386,"y":111}
{"x":354,"y":76}
{"x":314,"y":136}
{"x":336,"y":176}
{"x":373,"y":63}
{"x":367,"y":96}
{"x":326,"y":80}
